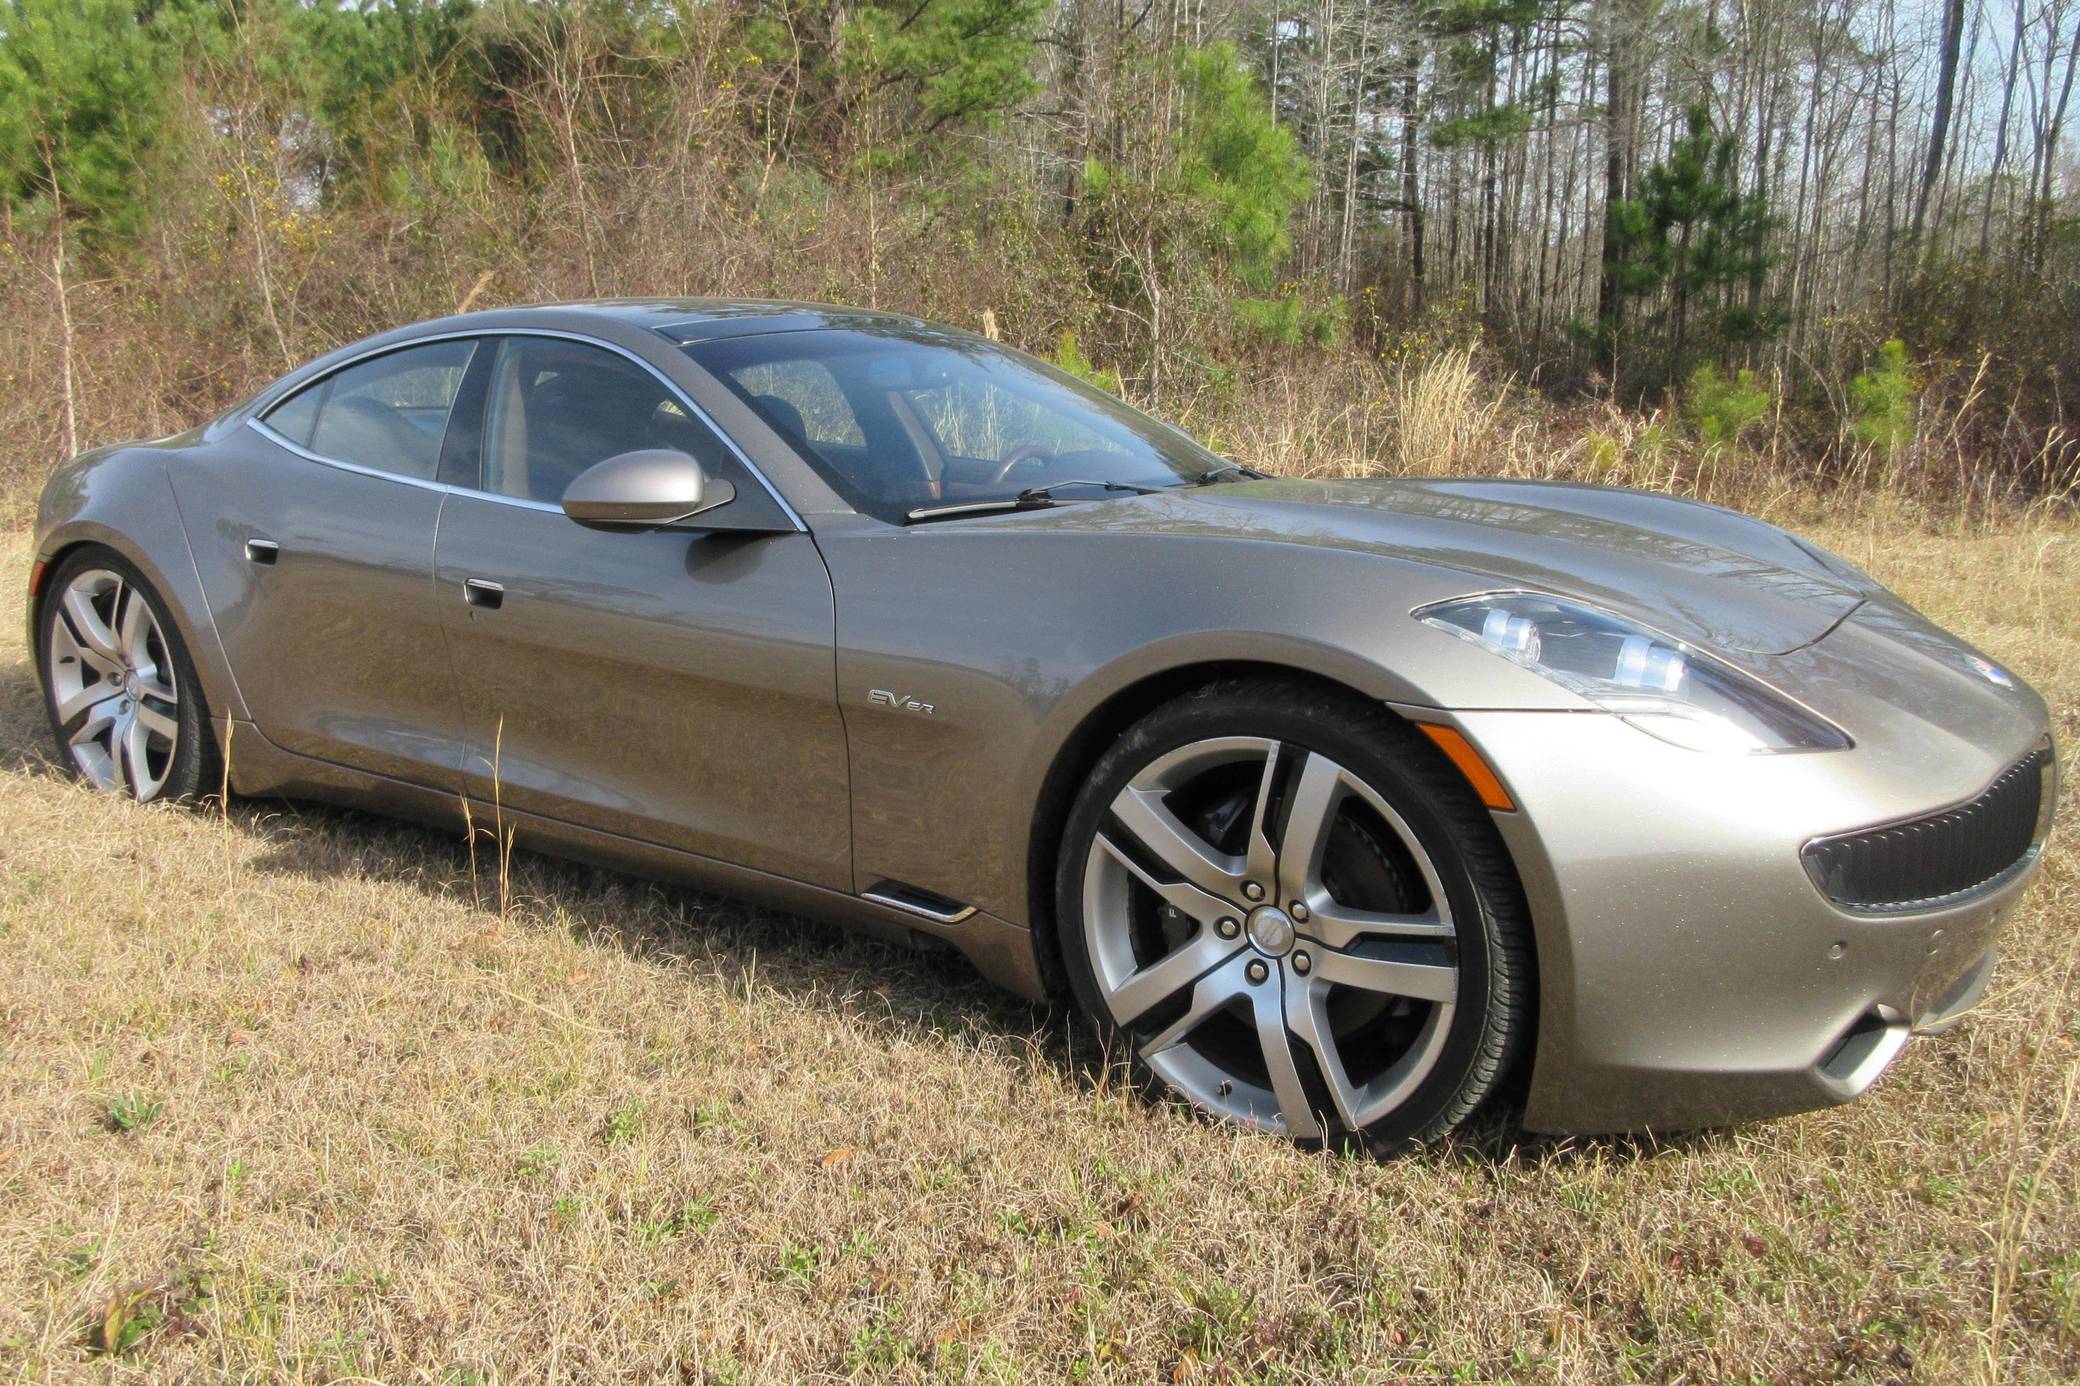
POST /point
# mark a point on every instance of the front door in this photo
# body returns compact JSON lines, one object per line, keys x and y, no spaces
{"x":667,"y":686}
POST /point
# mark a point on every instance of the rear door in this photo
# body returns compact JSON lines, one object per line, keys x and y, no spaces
{"x":313,"y":532}
{"x":668,"y":686}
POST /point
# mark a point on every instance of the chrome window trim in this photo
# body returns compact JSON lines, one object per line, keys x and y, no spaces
{"x":259,"y":425}
{"x":256,"y":422}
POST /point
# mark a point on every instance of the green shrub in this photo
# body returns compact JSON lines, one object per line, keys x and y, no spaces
{"x":1068,"y":354}
{"x":1290,"y":320}
{"x":1881,"y":400}
{"x":1274,"y":320}
{"x":1721,"y":409}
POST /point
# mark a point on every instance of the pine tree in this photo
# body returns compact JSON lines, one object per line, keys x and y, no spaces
{"x":1693,"y":238}
{"x":81,"y":83}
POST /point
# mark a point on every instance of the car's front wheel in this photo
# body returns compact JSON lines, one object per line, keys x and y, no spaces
{"x":1288,"y":909}
{"x":121,"y":691}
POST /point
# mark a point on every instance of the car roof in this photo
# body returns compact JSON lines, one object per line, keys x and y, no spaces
{"x":678,"y":321}
{"x":687,"y":320}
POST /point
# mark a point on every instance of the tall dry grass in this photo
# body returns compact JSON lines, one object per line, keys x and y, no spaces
{"x":1453,"y":414}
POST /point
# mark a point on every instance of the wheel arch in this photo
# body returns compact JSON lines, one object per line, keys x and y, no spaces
{"x":1079,"y":750}
{"x":173,"y":578}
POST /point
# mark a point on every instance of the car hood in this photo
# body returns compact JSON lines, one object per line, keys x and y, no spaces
{"x":1697,"y":572}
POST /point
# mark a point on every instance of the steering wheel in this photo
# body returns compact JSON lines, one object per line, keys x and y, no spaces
{"x":1024,"y":452}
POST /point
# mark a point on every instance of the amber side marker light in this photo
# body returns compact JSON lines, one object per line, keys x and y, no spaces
{"x":1470,"y":765}
{"x":36,"y":578}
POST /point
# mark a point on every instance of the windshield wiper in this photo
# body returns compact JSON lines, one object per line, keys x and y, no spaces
{"x":1032,"y":498}
{"x":1032,"y":493}
{"x":951,"y":512}
{"x":1213,"y":474}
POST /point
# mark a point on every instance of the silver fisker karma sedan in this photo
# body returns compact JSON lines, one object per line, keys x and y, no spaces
{"x":1345,"y":808}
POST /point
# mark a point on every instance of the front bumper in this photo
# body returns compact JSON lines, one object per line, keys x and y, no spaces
{"x":1691,"y":973}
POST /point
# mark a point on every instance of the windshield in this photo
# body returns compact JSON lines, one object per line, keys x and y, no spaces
{"x":901,"y":422}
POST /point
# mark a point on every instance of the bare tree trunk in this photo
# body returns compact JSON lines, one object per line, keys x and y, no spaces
{"x":1346,"y":251}
{"x":64,"y":295}
{"x":1411,"y":199}
{"x":1946,"y":89}
{"x":1617,"y":173}
{"x":2000,"y":134}
{"x":65,"y":333}
{"x":2041,"y":235}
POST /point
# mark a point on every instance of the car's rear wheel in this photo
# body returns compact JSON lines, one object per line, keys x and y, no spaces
{"x":120,"y":689}
{"x":1288,"y":909}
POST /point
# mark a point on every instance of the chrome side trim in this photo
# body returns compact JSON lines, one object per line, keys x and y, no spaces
{"x":685,"y":401}
{"x":921,"y":911}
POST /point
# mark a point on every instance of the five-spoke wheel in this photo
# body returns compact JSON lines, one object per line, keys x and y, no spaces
{"x":115,"y":676}
{"x":1293,"y":915}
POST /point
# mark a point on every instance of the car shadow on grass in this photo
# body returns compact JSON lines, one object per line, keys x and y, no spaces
{"x":667,"y":924}
{"x":722,"y":939}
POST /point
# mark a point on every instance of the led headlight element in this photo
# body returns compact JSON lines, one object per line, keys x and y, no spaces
{"x":1662,"y":686}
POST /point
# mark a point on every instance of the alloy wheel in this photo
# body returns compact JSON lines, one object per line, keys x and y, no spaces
{"x":1270,"y":934}
{"x":110,"y":672}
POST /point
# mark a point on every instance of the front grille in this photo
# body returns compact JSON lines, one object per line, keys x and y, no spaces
{"x":1941,"y":858}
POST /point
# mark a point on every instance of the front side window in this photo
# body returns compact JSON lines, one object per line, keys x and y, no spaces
{"x":904,"y":421}
{"x":557,"y":407}
{"x":389,"y":413}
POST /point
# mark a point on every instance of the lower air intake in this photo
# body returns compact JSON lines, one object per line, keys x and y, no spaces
{"x":1942,"y":858}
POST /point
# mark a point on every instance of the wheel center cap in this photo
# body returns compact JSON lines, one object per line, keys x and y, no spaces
{"x":1271,"y":931}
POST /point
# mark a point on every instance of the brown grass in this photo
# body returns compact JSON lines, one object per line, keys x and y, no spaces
{"x":383,"y":1125}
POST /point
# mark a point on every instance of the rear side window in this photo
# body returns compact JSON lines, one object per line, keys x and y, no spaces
{"x":388,"y":414}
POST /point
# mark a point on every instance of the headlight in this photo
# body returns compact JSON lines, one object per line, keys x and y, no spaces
{"x":1662,"y":686}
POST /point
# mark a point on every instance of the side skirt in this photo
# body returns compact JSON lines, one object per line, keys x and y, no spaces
{"x":1001,"y":951}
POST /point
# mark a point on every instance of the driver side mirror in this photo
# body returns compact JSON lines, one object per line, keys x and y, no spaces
{"x":651,"y":489}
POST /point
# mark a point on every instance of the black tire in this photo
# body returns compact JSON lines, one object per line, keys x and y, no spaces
{"x":195,"y":767}
{"x":1488,"y":1025}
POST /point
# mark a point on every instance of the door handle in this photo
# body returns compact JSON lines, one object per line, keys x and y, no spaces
{"x":262,"y":551}
{"x":483,"y":594}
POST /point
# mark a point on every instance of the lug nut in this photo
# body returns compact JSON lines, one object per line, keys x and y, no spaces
{"x":1226,"y":928}
{"x":1298,"y":912}
{"x":1256,"y":971}
{"x":1302,"y":963}
{"x":1252,"y":891}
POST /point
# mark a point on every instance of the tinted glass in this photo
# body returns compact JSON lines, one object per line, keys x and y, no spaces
{"x":388,"y":413}
{"x":557,"y":407}
{"x":804,"y":399}
{"x":903,"y":422}
{"x":293,"y":417}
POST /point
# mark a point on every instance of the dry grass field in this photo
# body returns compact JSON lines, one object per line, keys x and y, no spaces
{"x":283,"y":1097}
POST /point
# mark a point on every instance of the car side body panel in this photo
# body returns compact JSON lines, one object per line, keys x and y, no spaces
{"x":681,"y":692}
{"x":320,"y":580}
{"x":994,"y":641}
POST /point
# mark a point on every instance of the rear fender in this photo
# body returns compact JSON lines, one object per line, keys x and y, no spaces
{"x":123,"y":500}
